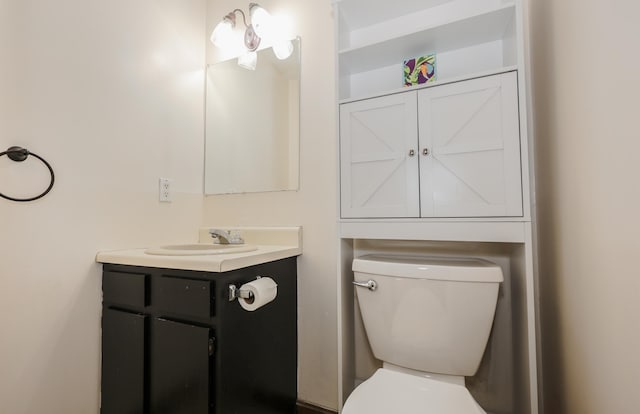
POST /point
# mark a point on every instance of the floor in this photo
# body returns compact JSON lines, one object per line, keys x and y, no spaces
{"x":304,"y":408}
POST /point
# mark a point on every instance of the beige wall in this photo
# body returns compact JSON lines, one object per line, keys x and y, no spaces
{"x":111,"y":94}
{"x":586,"y":91}
{"x":313,"y":206}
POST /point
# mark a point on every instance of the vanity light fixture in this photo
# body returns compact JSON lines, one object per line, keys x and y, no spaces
{"x":260,"y":27}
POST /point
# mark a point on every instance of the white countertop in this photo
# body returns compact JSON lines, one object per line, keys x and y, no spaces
{"x":289,"y":241}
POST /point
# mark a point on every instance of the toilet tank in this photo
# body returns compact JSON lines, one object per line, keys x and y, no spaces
{"x":428,"y":314}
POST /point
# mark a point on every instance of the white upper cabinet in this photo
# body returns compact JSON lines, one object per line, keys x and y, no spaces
{"x":446,"y":151}
{"x":469,"y":37}
{"x":378,"y":157}
{"x":470,"y":149}
{"x":455,"y":147}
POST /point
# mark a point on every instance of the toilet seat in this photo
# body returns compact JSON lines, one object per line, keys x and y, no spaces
{"x":390,"y":391}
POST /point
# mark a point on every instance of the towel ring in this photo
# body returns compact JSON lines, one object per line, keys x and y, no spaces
{"x":19,"y":154}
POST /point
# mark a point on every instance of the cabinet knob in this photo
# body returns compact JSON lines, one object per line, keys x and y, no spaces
{"x":425,"y":151}
{"x":412,"y":153}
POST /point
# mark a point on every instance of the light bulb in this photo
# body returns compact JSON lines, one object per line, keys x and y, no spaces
{"x":248,"y":61}
{"x":261,"y":20}
{"x":283,"y":49}
{"x":223,"y":33}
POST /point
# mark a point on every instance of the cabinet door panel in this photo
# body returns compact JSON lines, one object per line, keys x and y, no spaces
{"x":378,"y":176}
{"x":180,"y":380}
{"x":122,"y":362}
{"x":471,"y":130}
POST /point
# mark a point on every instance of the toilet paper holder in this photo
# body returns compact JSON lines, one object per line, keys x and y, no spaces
{"x":235,"y":292}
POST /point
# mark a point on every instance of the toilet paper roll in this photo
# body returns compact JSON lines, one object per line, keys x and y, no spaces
{"x":264,"y":291}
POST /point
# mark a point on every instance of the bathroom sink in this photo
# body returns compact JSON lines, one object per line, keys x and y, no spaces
{"x":200,"y":249}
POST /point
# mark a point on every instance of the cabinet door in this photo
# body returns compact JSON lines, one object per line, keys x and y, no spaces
{"x":378,"y":157}
{"x":122,"y":362}
{"x":471,"y":132}
{"x":180,"y":380}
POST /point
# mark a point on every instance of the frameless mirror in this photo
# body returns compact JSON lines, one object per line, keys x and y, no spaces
{"x":252,"y":125}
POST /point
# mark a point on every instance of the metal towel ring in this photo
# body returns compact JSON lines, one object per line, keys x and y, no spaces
{"x":20,"y":154}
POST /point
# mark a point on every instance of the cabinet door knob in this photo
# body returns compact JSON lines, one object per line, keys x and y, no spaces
{"x":425,"y":151}
{"x":412,"y":153}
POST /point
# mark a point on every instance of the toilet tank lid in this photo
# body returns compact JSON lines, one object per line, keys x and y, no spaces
{"x":434,"y":268}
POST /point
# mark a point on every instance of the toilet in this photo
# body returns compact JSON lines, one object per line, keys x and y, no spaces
{"x":428,"y":320}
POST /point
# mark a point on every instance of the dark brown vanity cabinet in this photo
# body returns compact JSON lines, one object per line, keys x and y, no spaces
{"x":173,"y":343}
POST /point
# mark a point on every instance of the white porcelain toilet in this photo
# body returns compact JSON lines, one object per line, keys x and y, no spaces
{"x":428,"y":320}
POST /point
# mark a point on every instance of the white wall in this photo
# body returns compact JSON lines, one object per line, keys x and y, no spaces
{"x":586,"y":90}
{"x":111,"y":93}
{"x":313,"y":206}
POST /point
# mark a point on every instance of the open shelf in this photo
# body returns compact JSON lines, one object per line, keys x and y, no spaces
{"x":503,"y":230}
{"x":467,"y":38}
{"x":359,"y":14}
{"x":459,"y":32}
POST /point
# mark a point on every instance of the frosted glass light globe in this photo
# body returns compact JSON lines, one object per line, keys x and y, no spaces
{"x":223,"y":33}
{"x":261,"y":20}
{"x":283,"y":49}
{"x":248,"y":61}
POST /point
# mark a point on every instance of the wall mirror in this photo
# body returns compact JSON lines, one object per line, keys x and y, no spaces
{"x":253,"y":125}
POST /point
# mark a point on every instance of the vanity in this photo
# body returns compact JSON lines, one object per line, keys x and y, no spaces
{"x":176,"y":340}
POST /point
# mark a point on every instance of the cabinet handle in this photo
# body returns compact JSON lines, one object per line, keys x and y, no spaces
{"x":212,"y":346}
{"x":425,"y":151}
{"x":412,"y":153}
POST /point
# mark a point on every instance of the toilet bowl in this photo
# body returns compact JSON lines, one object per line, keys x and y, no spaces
{"x":428,"y":320}
{"x":392,"y":391}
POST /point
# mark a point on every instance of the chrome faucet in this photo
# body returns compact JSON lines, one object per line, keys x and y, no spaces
{"x":226,"y":237}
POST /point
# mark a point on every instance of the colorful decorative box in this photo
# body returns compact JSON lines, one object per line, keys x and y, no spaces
{"x":420,"y":70}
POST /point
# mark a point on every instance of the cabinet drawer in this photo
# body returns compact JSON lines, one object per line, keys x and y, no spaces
{"x":186,"y":297}
{"x":127,"y":289}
